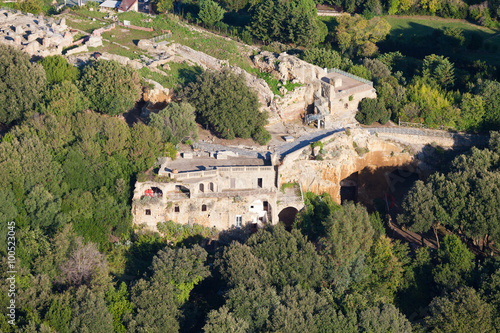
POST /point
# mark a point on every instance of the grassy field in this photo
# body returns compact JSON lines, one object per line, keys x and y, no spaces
{"x":418,"y":26}
{"x":127,"y":37}
{"x":180,"y":74}
{"x":210,"y":44}
{"x":118,"y":50}
{"x":84,"y":24}
{"x":89,"y":13}
{"x":407,"y":28}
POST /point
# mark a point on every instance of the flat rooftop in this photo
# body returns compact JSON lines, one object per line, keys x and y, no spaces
{"x":347,"y":83}
{"x":202,"y":163}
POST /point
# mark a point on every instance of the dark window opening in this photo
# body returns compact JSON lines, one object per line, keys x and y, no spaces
{"x":259,"y":182}
{"x":177,"y":209}
{"x":211,"y":187}
{"x":148,"y":211}
{"x":153,"y":192}
{"x":202,"y":187}
{"x":346,"y":105}
{"x":203,"y":208}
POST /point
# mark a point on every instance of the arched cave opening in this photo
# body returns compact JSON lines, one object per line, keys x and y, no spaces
{"x":287,"y":216}
{"x":349,"y":188}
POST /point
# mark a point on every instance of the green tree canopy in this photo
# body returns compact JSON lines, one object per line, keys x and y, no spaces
{"x":490,"y":91}
{"x":238,"y":266}
{"x":289,"y":258}
{"x":57,"y":69}
{"x":385,"y":318}
{"x":461,"y":311}
{"x":184,"y":268}
{"x":371,"y":110}
{"x":110,"y":87}
{"x":456,"y":263}
{"x":164,"y":6}
{"x":176,"y":122}
{"x":21,"y":84}
{"x":210,"y":12}
{"x":222,"y":320}
{"x":322,"y":57}
{"x":288,"y":22}
{"x":90,"y":313}
{"x":226,"y":104}
{"x":357,"y":34}
{"x":63,"y":99}
{"x":440,"y":69}
{"x":348,"y":239}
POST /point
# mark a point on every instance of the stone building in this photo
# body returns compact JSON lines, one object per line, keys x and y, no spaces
{"x":220,"y":190}
{"x":332,"y":93}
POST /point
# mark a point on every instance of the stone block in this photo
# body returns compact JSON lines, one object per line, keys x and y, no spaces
{"x":94,"y":41}
{"x":32,"y":47}
{"x":221,"y":156}
{"x":78,"y":49}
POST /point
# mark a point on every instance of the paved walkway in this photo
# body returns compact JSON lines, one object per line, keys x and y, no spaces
{"x":461,"y":139}
{"x":283,"y":149}
{"x":242,"y":152}
{"x":305,"y":140}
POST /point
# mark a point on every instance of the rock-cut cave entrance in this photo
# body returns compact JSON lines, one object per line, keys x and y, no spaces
{"x":287,"y":216}
{"x":349,"y":188}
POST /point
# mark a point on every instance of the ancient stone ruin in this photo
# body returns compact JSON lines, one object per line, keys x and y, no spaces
{"x":36,"y":35}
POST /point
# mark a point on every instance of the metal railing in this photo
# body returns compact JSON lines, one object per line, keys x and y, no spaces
{"x":349,"y":75}
{"x":209,"y":173}
{"x":234,"y":193}
{"x":161,"y":37}
{"x":461,"y":138}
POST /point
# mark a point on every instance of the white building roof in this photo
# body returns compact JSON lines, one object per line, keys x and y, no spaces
{"x":110,"y":4}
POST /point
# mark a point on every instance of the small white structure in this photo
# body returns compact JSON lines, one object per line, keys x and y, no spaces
{"x":110,"y":4}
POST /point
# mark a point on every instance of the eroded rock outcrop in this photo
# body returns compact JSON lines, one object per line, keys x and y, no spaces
{"x":369,"y":158}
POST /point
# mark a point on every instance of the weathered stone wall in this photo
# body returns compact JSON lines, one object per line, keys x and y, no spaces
{"x":341,"y":106}
{"x":231,"y":191}
{"x":210,"y":209}
{"x":316,"y":85}
{"x":122,"y":60}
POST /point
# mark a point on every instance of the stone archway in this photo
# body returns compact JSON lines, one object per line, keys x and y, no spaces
{"x":287,"y":216}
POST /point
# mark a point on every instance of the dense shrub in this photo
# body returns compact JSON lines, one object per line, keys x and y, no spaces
{"x":226,"y":104}
{"x":372,"y":110}
{"x":110,"y":87}
{"x":21,"y":84}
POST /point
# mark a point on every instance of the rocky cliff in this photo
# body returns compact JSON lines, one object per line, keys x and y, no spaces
{"x":362,"y":160}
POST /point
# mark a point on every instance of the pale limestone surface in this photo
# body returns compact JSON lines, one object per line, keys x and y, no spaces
{"x":36,"y":36}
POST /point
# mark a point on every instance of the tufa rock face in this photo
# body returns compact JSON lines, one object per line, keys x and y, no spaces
{"x":372,"y":161}
{"x":288,"y":67}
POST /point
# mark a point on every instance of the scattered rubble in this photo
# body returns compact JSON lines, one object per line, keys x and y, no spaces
{"x":36,"y":35}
